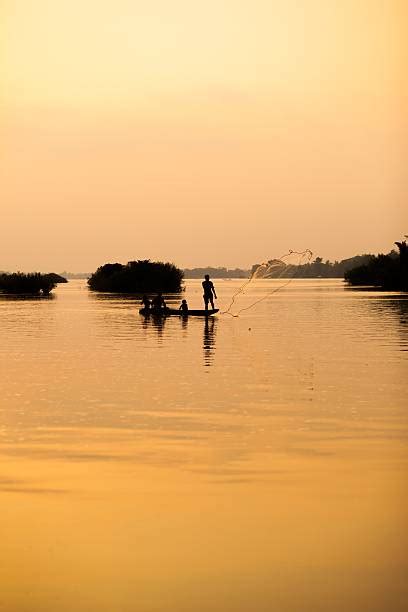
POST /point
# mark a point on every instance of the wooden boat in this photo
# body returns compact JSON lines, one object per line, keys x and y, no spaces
{"x":169,"y":312}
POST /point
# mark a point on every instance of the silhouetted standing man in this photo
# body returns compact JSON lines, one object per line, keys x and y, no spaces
{"x":209,"y":292}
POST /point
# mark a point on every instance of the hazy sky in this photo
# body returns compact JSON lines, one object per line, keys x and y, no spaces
{"x":219,"y":132}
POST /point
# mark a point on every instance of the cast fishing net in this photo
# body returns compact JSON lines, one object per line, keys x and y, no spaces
{"x":285,"y":269}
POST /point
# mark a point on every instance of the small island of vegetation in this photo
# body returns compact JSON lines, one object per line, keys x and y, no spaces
{"x":142,"y":276}
{"x":34,"y":283}
{"x":388,"y":272}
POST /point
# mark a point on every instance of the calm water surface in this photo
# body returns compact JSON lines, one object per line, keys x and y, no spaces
{"x":236,"y":464}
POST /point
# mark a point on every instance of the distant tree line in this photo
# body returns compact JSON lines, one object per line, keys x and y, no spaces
{"x":216,"y":272}
{"x":75,"y":275}
{"x":315,"y":269}
{"x":143,"y":276}
{"x":278,"y":269}
{"x":388,"y":271}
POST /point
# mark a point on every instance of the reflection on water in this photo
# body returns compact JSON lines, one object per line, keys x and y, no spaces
{"x":4,"y":297}
{"x":212,"y":464}
{"x":398,"y":310}
{"x":155,"y":323}
{"x":158,"y":324}
{"x":209,"y":340}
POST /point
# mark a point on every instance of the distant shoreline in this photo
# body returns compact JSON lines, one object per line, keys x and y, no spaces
{"x":316,"y":269}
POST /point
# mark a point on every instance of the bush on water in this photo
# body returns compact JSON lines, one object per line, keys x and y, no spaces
{"x":32,"y":283}
{"x":142,"y":276}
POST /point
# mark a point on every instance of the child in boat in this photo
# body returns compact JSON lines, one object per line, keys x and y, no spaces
{"x":184,"y":307}
{"x":158,"y":303}
{"x":146,"y":302}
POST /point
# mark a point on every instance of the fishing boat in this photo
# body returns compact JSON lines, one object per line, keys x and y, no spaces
{"x":171,"y":312}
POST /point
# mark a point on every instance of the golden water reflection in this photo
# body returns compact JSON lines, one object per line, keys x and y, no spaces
{"x":240,"y":464}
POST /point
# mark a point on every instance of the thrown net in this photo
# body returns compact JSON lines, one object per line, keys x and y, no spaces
{"x":285,"y":268}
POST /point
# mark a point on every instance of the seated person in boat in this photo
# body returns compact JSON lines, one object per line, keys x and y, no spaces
{"x":184,"y":307}
{"x":146,"y":302}
{"x":158,"y":303}
{"x":209,"y":292}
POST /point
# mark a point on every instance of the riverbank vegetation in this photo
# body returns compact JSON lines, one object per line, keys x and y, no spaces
{"x":33,"y":283}
{"x":143,"y":276}
{"x":389,"y":272}
{"x":278,"y":269}
{"x":315,"y":269}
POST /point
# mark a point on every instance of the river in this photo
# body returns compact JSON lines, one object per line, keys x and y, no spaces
{"x":242,"y":463}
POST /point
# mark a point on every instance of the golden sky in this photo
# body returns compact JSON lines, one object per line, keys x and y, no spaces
{"x":220,"y":133}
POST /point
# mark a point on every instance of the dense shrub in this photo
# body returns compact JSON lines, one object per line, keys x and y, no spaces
{"x":137,"y":277}
{"x":385,"y":271}
{"x":33,"y":284}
